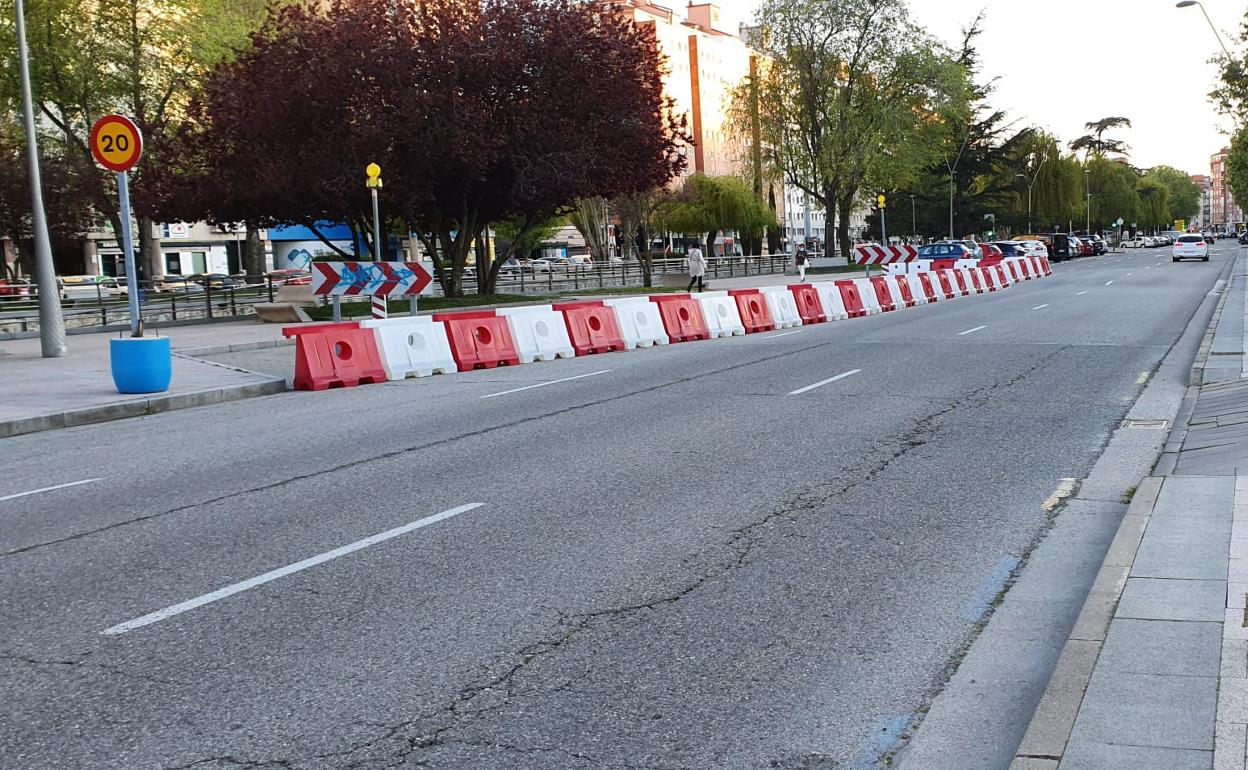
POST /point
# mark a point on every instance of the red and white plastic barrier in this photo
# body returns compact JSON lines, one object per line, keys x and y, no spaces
{"x":721,"y":314}
{"x":640,"y":324}
{"x":782,"y":306}
{"x":412,"y":345}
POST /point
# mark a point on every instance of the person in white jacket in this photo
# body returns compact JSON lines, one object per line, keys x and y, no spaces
{"x":697,"y":269}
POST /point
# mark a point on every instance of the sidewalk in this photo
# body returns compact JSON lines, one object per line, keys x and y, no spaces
{"x":1155,"y":672}
{"x":47,"y":393}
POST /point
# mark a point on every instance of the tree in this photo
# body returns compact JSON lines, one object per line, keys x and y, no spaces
{"x":476,"y":112}
{"x":144,"y":58}
{"x":1184,"y":198}
{"x":1094,"y":143}
{"x":1114,"y":193}
{"x":1237,"y":165}
{"x":709,"y":205}
{"x":842,"y":114}
{"x":638,"y":217}
{"x":1153,"y":210}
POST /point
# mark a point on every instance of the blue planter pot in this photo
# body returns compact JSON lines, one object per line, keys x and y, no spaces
{"x":141,"y":364}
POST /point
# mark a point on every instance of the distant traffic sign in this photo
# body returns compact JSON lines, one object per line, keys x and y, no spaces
{"x":116,"y":143}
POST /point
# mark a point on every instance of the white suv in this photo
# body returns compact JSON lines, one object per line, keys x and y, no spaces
{"x":1190,"y":247}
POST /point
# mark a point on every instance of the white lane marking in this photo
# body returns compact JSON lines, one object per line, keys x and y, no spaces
{"x":48,"y":489}
{"x":821,"y":383}
{"x":1130,"y":273}
{"x":259,"y":580}
{"x":1041,"y":307}
{"x":1146,"y":267}
{"x":783,"y":334}
{"x":1079,"y":293}
{"x":1108,"y":283}
{"x":1143,"y":378}
{"x":968,"y":331}
{"x":544,"y":384}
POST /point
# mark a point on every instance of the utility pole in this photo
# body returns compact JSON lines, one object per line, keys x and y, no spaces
{"x":51,"y":322}
{"x":914,"y":230}
{"x":1087,"y":177}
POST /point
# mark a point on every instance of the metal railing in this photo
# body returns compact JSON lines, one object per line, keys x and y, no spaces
{"x":104,"y":305}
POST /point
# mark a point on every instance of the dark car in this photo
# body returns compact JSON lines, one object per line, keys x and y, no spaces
{"x":1098,"y":243}
{"x":1060,"y":246}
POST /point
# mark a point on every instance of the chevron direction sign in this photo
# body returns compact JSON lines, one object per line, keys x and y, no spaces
{"x":369,"y":279}
{"x":875,"y":254}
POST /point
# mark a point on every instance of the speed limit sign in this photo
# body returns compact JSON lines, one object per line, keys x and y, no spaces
{"x":116,"y":143}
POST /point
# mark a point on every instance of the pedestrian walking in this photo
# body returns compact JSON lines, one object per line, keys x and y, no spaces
{"x":697,"y":269}
{"x":801,"y":261}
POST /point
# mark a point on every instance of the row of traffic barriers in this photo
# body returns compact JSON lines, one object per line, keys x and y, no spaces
{"x":370,"y":351}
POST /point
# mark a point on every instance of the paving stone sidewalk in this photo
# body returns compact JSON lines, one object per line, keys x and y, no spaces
{"x":1155,"y":672}
{"x":47,"y":393}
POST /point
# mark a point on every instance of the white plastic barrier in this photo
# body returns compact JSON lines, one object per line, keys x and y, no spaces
{"x":540,"y":333}
{"x":831,"y":299}
{"x":723,"y":319}
{"x":866,"y":290}
{"x":640,"y":324}
{"x":782,"y":306}
{"x":412,"y":345}
{"x":916,"y":288}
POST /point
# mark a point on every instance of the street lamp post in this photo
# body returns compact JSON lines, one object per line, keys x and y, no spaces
{"x":914,"y":230}
{"x":1189,"y":4}
{"x":1031,"y":183}
{"x":1087,"y":178}
{"x":51,"y":322}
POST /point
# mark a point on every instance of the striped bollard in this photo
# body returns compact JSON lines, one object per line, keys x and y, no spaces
{"x":379,"y":307}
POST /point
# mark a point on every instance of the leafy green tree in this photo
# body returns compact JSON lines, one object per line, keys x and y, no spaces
{"x":143,"y":58}
{"x":1184,"y":199}
{"x":1153,"y":210}
{"x":1237,"y":165}
{"x":709,"y":205}
{"x":842,"y":115}
{"x":1095,"y":143}
{"x":1114,"y":194}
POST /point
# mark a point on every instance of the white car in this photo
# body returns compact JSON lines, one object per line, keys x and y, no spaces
{"x":1133,"y":243}
{"x":1190,"y":247}
{"x":1034,"y":248}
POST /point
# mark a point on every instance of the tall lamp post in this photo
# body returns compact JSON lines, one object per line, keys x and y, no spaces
{"x":914,"y":231}
{"x":1031,"y":183}
{"x":1189,"y":4}
{"x":51,"y":322}
{"x":1087,"y":178}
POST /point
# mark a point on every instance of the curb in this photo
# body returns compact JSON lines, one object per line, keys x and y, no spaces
{"x":236,"y":347}
{"x":1044,"y":743}
{"x":1197,"y":375}
{"x":141,"y":406}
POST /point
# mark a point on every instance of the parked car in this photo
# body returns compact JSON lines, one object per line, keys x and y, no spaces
{"x":1190,"y":247}
{"x":945,"y":250}
{"x":15,"y":288}
{"x":290,"y":275}
{"x":1099,"y":246}
{"x":1011,"y":249}
{"x":217,"y":281}
{"x":1032,"y":247}
{"x":178,"y":283}
{"x":990,"y":254}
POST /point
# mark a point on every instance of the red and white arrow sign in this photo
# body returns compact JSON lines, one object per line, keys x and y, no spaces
{"x":875,"y":254}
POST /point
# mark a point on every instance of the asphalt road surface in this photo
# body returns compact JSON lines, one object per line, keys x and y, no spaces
{"x":684,"y":557}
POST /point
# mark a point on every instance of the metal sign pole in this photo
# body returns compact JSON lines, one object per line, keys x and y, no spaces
{"x":127,"y":246}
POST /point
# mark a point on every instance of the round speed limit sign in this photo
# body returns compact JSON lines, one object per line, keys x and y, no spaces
{"x":116,"y":143}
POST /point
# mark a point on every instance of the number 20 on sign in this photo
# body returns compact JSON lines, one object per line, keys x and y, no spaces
{"x":116,"y":143}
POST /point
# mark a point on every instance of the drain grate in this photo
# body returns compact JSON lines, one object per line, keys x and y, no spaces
{"x":1146,"y":424}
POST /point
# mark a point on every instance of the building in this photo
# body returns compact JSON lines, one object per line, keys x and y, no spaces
{"x":1204,"y":219}
{"x":706,"y":62}
{"x":1224,"y":213}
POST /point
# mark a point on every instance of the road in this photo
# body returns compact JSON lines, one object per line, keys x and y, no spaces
{"x":676,"y":557}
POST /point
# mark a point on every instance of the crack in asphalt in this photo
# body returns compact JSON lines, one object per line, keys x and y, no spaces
{"x":432,"y":729}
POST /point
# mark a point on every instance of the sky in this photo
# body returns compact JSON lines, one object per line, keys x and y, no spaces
{"x":1063,"y":63}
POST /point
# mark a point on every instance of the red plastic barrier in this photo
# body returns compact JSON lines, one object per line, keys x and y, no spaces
{"x":1013,"y":271}
{"x":1038,"y":266}
{"x":1044,"y":262}
{"x":335,"y":356}
{"x":1022,"y":265}
{"x":928,"y":289}
{"x":1003,"y":282}
{"x":851,"y":298}
{"x":592,"y":327}
{"x":682,"y":317}
{"x":903,"y":287}
{"x":990,"y":280}
{"x":479,"y":340}
{"x":977,"y":282}
{"x":808,"y":305}
{"x":946,"y":285}
{"x":882,"y":294}
{"x":960,"y":281}
{"x":943,"y":264}
{"x":752,"y":306}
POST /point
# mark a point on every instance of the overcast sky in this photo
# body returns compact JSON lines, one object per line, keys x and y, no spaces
{"x":1063,"y":63}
